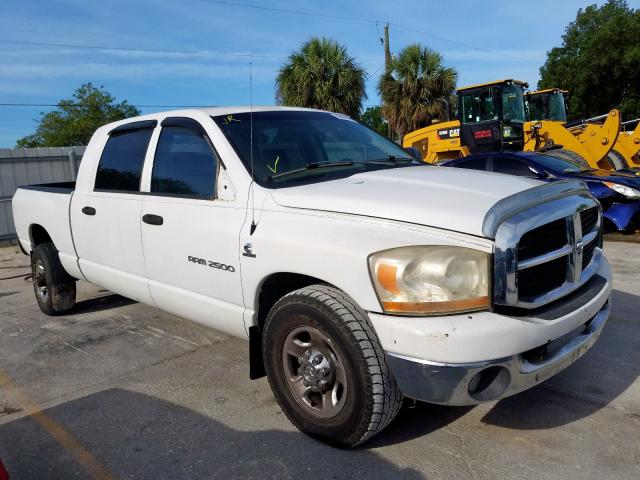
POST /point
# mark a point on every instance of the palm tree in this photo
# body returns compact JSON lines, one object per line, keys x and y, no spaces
{"x":322,"y":75}
{"x":416,"y":89}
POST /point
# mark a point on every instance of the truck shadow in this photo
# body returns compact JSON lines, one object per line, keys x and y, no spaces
{"x":104,"y":302}
{"x":138,"y":436}
{"x":415,"y":421}
{"x":593,"y":382}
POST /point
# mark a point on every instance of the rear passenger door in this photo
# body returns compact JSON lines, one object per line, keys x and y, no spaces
{"x":190,"y":236}
{"x":105,"y":220}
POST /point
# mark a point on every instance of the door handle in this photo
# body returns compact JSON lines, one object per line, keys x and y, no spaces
{"x":88,"y":210}
{"x":152,"y":219}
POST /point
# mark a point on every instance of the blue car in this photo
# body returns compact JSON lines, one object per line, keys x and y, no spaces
{"x":619,"y":193}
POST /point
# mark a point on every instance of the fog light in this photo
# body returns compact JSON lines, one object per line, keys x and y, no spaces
{"x":489,"y":384}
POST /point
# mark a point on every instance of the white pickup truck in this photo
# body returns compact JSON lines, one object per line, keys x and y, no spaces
{"x":359,"y":275}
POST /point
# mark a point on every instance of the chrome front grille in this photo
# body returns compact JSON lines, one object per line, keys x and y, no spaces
{"x":546,"y":252}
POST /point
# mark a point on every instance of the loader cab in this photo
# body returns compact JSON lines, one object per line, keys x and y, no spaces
{"x":549,"y":104}
{"x":492,"y":116}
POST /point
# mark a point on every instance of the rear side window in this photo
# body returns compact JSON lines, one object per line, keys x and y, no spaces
{"x":474,"y":163}
{"x":184,"y":164}
{"x":512,"y":166}
{"x":122,"y":159}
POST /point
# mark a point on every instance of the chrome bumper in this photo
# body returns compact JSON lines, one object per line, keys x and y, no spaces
{"x":473,"y":383}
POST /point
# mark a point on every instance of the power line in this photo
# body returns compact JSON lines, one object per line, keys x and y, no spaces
{"x":67,"y":104}
{"x":363,"y":20}
{"x":149,"y":50}
{"x":462,"y":44}
{"x":250,"y":54}
{"x":142,"y":50}
{"x":285,"y":10}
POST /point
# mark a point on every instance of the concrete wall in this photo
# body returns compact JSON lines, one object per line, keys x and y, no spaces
{"x":28,"y":166}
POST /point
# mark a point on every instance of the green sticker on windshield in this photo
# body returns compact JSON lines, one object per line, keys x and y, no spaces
{"x":274,"y":169}
{"x":228,"y":119}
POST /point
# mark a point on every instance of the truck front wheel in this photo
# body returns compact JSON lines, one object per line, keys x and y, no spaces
{"x":55,"y":289}
{"x":326,"y":367}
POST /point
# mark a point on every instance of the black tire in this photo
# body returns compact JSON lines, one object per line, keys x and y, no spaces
{"x":372,"y":398}
{"x":568,"y":155}
{"x":54,"y":288}
{"x":617,"y":160}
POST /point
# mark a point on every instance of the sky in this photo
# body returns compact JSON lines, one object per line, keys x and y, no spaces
{"x":197,"y":52}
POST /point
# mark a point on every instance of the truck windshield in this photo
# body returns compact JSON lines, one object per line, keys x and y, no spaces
{"x":293,"y":147}
{"x":557,"y":110}
{"x":513,"y":104}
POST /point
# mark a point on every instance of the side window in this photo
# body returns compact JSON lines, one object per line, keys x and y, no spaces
{"x":474,"y":163}
{"x":512,"y":166}
{"x":122,"y":159}
{"x":184,"y":164}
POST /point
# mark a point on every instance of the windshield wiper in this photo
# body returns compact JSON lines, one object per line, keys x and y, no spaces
{"x":311,"y":166}
{"x":391,"y":159}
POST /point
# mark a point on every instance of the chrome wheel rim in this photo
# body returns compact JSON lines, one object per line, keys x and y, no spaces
{"x":40,"y":281}
{"x":314,"y":372}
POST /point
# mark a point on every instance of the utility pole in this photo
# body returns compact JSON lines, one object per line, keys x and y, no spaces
{"x":387,"y":49}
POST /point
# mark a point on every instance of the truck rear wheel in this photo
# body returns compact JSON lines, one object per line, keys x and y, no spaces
{"x":55,"y":289}
{"x":326,"y":367}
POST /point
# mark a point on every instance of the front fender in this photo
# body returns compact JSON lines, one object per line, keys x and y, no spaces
{"x":622,"y":215}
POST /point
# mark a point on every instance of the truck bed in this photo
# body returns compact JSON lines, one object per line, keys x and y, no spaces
{"x":45,"y":207}
{"x":58,"y":187}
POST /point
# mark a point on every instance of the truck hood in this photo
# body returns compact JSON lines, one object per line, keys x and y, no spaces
{"x":449,"y":198}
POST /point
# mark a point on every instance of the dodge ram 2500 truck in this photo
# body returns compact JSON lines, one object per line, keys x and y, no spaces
{"x":359,"y":276}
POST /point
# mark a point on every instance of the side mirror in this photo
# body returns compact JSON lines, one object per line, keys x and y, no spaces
{"x":414,"y":153}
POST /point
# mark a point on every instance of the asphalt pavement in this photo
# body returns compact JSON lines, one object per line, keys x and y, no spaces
{"x":120,"y":390}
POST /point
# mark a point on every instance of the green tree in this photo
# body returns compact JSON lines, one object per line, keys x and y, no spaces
{"x":415,"y":89}
{"x":322,"y":75}
{"x":77,"y":118}
{"x":372,"y":118}
{"x":598,"y":62}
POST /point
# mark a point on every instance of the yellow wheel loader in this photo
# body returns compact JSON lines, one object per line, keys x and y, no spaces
{"x":595,"y":139}
{"x":491,"y":117}
{"x":628,"y":145}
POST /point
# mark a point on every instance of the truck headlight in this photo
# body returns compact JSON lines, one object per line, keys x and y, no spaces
{"x":623,"y":190}
{"x":430,"y":280}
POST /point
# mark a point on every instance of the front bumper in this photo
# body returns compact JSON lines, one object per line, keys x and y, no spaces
{"x":435,"y":359}
{"x":472,"y":383}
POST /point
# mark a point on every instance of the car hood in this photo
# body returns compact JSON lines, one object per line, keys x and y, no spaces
{"x":449,"y":198}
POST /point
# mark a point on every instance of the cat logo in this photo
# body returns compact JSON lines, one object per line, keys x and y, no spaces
{"x":447,"y":133}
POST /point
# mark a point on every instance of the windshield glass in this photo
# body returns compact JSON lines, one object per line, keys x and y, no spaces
{"x":513,"y":104}
{"x":559,"y":165}
{"x":557,"y":110}
{"x":292,"y":147}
